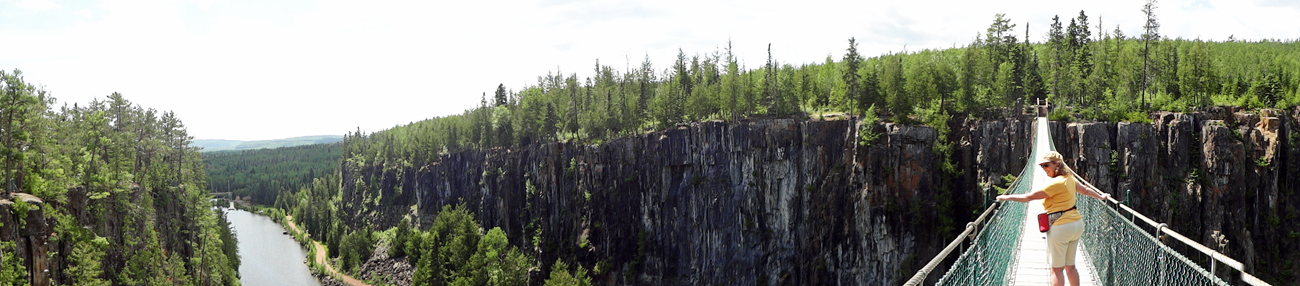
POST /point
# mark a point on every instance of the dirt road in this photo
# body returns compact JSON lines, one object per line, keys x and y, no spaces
{"x":322,"y":260}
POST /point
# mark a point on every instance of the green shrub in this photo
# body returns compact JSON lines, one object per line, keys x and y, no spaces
{"x":1113,"y":165}
{"x":1006,"y":183}
{"x":866,"y":133}
{"x":1061,"y":115}
{"x":573,"y":167}
{"x":1136,"y":117}
{"x":1262,"y":162}
{"x":560,"y":275}
{"x":401,"y":232}
{"x":453,"y":252}
{"x":20,"y":210}
{"x":12,"y":269}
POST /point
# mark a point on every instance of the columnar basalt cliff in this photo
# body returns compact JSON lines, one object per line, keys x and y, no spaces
{"x":801,"y":202}
{"x":22,"y":221}
{"x":1224,"y":177}
{"x":771,"y":201}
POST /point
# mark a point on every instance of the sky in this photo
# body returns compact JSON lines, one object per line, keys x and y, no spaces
{"x":268,"y":69}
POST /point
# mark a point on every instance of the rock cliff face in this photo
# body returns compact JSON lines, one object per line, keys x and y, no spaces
{"x":23,"y":222}
{"x":772,"y":201}
{"x":800,"y":202}
{"x":1221,"y":171}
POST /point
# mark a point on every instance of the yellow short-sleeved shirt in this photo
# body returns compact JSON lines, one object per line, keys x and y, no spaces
{"x":1060,"y":196}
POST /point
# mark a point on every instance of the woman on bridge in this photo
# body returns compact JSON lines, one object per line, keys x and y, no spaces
{"x":1058,"y":195}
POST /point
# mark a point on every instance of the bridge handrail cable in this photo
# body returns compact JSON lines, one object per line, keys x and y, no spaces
{"x":1162,"y":228}
{"x":972,"y":231}
{"x":992,"y":213}
{"x":971,"y":228}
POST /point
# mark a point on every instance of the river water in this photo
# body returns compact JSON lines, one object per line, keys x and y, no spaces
{"x":267,"y":255}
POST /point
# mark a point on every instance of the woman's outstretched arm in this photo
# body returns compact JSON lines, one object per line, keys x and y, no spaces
{"x":1025,"y":198}
{"x":1085,"y":190}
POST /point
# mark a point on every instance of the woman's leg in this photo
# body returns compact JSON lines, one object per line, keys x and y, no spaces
{"x":1072,"y":274}
{"x":1062,"y":243}
{"x":1072,"y":248}
{"x":1058,"y":278}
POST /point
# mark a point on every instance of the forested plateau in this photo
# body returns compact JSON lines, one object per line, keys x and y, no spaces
{"x":262,"y":175}
{"x":850,"y":171}
{"x":107,"y":193}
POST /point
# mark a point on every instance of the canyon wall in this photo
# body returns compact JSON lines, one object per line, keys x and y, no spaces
{"x":1226,"y":178}
{"x":790,"y":202}
{"x":22,"y":221}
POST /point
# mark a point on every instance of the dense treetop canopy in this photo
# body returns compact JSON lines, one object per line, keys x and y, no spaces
{"x":145,"y":215}
{"x":1094,"y":72}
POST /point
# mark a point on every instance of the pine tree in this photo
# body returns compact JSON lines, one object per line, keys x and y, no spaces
{"x":645,"y":76}
{"x":1196,"y":75}
{"x":20,"y":108}
{"x":731,"y":88}
{"x":1151,"y":32}
{"x":1081,"y":43}
{"x":684,"y":87}
{"x":1057,"y":43}
{"x":893,"y":84}
{"x":500,"y":95}
{"x":852,"y":81}
{"x":484,"y":121}
{"x":560,"y":275}
{"x":549,"y":122}
{"x":1006,"y":58}
{"x":397,"y":247}
{"x":87,"y":258}
{"x":770,"y":96}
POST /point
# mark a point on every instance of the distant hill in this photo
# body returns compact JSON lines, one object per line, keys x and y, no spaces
{"x":264,"y":173}
{"x":210,"y":145}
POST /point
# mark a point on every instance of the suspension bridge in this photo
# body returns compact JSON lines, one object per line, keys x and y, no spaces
{"x":1003,"y":246}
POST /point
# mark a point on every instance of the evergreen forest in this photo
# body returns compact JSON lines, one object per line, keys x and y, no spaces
{"x":263,"y":174}
{"x":124,"y":195}
{"x":128,"y":198}
{"x":452,"y":250}
{"x":1087,"y":70}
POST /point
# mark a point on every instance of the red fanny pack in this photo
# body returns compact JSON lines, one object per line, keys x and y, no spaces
{"x":1043,"y":224}
{"x":1045,"y":220}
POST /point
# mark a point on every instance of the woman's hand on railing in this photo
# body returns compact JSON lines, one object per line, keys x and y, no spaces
{"x":1104,"y":197}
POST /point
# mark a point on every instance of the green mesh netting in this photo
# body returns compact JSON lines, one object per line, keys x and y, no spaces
{"x":1121,"y":252}
{"x":992,"y":256}
{"x":1124,"y":254}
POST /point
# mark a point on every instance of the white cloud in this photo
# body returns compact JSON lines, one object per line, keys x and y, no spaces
{"x":245,"y":70}
{"x":38,"y":5}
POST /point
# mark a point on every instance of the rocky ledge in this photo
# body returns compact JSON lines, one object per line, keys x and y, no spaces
{"x":22,"y":221}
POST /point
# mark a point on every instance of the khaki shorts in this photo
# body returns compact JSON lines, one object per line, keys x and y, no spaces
{"x":1062,"y":243}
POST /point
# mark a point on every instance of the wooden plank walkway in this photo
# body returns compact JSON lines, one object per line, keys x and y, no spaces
{"x":1031,"y":266}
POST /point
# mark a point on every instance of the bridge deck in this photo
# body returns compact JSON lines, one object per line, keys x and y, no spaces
{"x":1031,"y":267}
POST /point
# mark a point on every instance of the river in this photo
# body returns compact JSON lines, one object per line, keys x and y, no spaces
{"x":267,"y":255}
